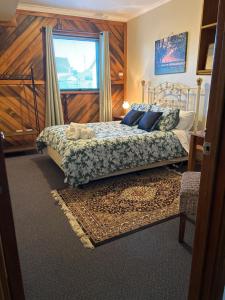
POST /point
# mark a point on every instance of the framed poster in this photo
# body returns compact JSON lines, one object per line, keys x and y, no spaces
{"x":171,"y":54}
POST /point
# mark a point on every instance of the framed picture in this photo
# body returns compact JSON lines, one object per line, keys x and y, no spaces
{"x":170,"y":54}
{"x":209,"y":58}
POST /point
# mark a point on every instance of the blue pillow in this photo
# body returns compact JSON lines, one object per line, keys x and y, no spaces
{"x":149,"y":120}
{"x":132,"y":117}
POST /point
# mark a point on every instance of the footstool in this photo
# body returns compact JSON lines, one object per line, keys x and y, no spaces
{"x":189,"y":194}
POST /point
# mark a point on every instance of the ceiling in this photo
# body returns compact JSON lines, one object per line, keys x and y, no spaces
{"x":118,"y":10}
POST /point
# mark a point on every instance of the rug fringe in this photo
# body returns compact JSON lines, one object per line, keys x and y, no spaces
{"x":73,"y":222}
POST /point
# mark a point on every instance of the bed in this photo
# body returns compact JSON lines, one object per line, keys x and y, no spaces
{"x":118,"y":148}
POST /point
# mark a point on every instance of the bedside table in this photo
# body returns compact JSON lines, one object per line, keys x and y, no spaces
{"x":196,"y":147}
{"x":118,"y":118}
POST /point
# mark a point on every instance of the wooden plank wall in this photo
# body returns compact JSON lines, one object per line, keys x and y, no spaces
{"x":23,"y":45}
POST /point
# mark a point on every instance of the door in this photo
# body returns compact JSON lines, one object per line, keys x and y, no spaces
{"x":208,"y":264}
{"x":11,"y":286}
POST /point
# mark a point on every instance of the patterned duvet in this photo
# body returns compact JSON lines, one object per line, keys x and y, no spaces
{"x":115,"y":147}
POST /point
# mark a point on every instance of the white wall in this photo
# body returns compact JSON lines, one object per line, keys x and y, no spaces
{"x":177,"y":16}
{"x":7,"y":9}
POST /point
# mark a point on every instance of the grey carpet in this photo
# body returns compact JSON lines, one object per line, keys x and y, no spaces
{"x":149,"y":264}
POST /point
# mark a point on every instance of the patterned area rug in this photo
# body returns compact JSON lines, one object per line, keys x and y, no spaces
{"x":111,"y":208}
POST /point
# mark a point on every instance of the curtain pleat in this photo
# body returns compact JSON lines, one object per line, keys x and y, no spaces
{"x":105,"y":101}
{"x":54,"y":112}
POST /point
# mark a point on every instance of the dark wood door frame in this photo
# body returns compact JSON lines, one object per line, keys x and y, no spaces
{"x":10,"y":274}
{"x":208,"y":264}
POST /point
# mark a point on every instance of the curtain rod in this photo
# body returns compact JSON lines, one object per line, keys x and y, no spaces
{"x":72,"y":32}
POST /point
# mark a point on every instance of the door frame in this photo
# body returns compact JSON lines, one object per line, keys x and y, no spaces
{"x":208,"y":264}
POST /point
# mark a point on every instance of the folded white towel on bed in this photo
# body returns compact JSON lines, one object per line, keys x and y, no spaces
{"x":87,"y":133}
{"x":72,"y":133}
{"x":77,"y":125}
{"x":78,"y":131}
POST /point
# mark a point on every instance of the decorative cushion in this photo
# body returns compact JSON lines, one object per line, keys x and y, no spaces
{"x":169,"y":119}
{"x":141,"y":106}
{"x":132,"y":117}
{"x":186,"y":120}
{"x":149,"y":120}
{"x":189,"y":192}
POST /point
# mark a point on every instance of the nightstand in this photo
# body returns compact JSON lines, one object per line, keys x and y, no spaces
{"x":196,"y":148}
{"x":118,"y":118}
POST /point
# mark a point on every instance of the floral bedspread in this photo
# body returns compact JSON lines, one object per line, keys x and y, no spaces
{"x":115,"y":147}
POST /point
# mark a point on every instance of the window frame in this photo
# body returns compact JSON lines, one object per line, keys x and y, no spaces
{"x":83,"y":37}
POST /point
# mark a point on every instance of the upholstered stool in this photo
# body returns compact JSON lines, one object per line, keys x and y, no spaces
{"x":189,"y":194}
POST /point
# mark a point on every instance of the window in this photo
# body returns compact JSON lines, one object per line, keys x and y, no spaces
{"x":76,"y":62}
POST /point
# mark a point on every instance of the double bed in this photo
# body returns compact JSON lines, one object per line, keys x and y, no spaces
{"x":118,"y":148}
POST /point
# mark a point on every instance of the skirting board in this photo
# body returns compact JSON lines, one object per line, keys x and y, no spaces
{"x":56,"y":157}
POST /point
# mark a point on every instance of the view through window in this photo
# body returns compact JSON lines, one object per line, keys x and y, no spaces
{"x":76,"y":62}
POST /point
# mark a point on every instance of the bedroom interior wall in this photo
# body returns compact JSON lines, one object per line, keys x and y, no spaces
{"x":172,"y":18}
{"x":22,"y":45}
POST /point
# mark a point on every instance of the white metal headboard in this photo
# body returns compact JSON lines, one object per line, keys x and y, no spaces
{"x":175,"y":95}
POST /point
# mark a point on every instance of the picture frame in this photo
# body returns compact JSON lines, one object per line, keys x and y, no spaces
{"x":171,"y":54}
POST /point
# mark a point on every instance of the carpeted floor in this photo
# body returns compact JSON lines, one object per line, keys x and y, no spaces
{"x":149,"y":264}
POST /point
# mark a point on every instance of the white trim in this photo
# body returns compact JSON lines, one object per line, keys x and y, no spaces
{"x":69,"y":12}
{"x":87,"y":14}
{"x":149,"y":8}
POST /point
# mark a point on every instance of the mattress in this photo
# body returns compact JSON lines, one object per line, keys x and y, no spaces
{"x":116,"y":147}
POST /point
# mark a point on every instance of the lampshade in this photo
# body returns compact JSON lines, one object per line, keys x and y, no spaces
{"x":126,"y":104}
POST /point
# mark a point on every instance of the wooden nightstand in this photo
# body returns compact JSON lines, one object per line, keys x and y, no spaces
{"x":118,"y":118}
{"x":196,"y":148}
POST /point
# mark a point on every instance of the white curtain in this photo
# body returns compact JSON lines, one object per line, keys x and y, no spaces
{"x":105,"y":102}
{"x":54,"y":112}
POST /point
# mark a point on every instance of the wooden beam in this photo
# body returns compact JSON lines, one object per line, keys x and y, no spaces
{"x":21,"y":82}
{"x":79,"y":92}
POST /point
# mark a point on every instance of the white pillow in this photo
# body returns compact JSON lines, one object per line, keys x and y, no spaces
{"x":186,"y":121}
